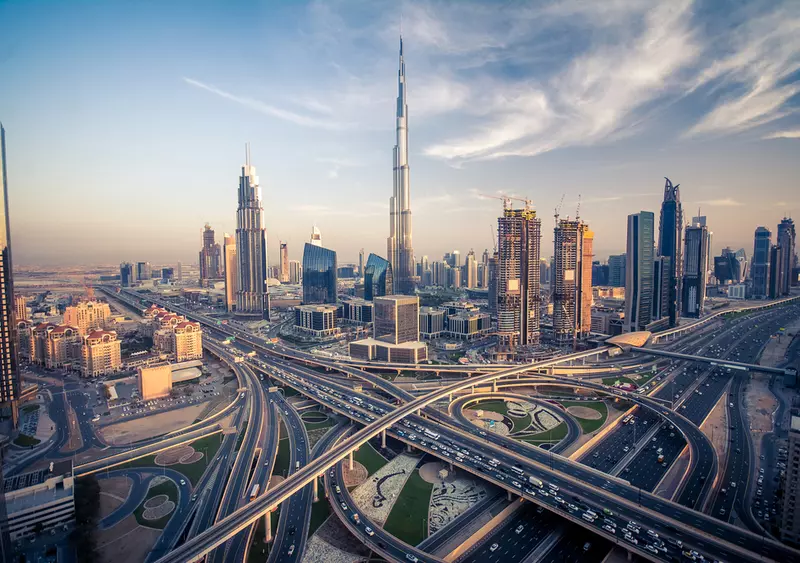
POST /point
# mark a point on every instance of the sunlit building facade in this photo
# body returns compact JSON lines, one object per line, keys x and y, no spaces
{"x":319,"y":275}
{"x":378,"y":278}
{"x":101,"y":353}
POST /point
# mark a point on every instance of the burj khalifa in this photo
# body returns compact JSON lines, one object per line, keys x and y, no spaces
{"x":399,"y":248}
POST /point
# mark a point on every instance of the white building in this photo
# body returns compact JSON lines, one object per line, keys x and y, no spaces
{"x":40,"y":500}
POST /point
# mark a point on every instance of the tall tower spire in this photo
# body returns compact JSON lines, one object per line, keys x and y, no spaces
{"x":399,"y":244}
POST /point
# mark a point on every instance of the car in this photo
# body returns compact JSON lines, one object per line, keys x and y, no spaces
{"x":194,"y":497}
{"x":369,"y":531}
{"x":183,"y":482}
{"x":609,"y":529}
{"x":343,"y":505}
{"x":652,"y":534}
{"x":494,"y":547}
{"x":291,"y":550}
{"x":631,"y":539}
{"x":721,"y":511}
{"x":587,"y":546}
{"x":730,"y":405}
{"x":519,"y":529}
{"x":651,"y":548}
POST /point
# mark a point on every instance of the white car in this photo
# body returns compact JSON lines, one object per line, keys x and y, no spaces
{"x":494,"y":547}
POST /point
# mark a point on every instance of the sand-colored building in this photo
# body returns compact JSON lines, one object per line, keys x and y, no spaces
{"x":155,"y":381}
{"x":101,"y":353}
{"x":187,"y":341}
{"x":87,"y":316}
{"x":20,"y":308}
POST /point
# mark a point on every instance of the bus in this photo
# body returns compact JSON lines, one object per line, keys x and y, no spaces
{"x":431,"y":435}
{"x":254,"y":491}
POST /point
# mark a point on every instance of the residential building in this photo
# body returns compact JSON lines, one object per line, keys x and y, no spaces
{"x":284,"y":256}
{"x":760,"y":266}
{"x":639,"y":271}
{"x":669,"y":245}
{"x":24,"y":339}
{"x":790,"y":521}
{"x":87,"y":316}
{"x":518,"y":291}
{"x":231,"y":271}
{"x":252,"y":296}
{"x":100,"y":353}
{"x":295,"y":271}
{"x":787,"y":237}
{"x":694,"y":271}
{"x":378,"y":278}
{"x":126,"y":274}
{"x":431,"y":322}
{"x":317,"y":320}
{"x":154,"y":381}
{"x":471,"y":271}
{"x":210,"y":258}
{"x":56,"y":346}
{"x":187,"y":341}
{"x":572,"y":280}
{"x":39,"y":501}
{"x":20,"y":308}
{"x":616,"y":270}
{"x":319,"y":275}
{"x":9,"y":376}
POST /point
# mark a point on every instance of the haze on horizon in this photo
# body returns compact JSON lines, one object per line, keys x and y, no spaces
{"x":126,"y":123}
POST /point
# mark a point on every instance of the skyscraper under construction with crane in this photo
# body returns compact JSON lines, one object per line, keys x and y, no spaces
{"x":572,"y":280}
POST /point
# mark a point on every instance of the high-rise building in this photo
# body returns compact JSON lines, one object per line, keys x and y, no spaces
{"x":775,"y":271}
{"x":518,"y":292}
{"x":471,"y":271}
{"x":378,"y":278}
{"x":231,"y":271}
{"x":187,"y":343}
{"x":56,"y":346}
{"x":639,"y":271}
{"x":154,"y":381}
{"x":319,"y":275}
{"x":572,"y":280}
{"x":790,"y":521}
{"x":143,"y":272}
{"x":295,"y":271}
{"x":787,"y":237}
{"x":759,"y":270}
{"x":616,"y":270}
{"x":210,"y":260}
{"x":396,"y":319}
{"x":661,"y":285}
{"x":694,"y":271}
{"x":180,"y":272}
{"x":100,"y":353}
{"x":491,"y":282}
{"x":669,"y":245}
{"x":316,"y":236}
{"x":252,"y":296}
{"x":400,"y":250}
{"x":167,"y":275}
{"x":126,"y":274}
{"x":361,"y":263}
{"x":87,"y":316}
{"x":284,"y":266}
{"x":21,"y":308}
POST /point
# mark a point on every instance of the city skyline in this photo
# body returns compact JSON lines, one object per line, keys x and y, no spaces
{"x":323,"y":158}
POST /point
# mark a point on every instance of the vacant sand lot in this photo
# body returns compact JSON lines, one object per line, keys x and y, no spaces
{"x":137,"y":429}
{"x":127,"y":542}
{"x":113,"y":493}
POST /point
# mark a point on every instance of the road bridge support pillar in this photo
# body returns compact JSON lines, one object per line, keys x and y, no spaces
{"x":630,"y":556}
{"x":383,"y":439}
{"x":316,"y":489}
{"x":509,"y":495}
{"x":494,"y":386}
{"x":350,"y":458}
{"x":268,"y":527}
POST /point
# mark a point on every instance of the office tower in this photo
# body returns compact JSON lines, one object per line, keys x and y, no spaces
{"x":210,"y":262}
{"x":231,"y":271}
{"x":126,"y":274}
{"x":741,"y":259}
{"x":491,"y":282}
{"x":180,"y":272}
{"x":599,"y":273}
{"x":639,"y":272}
{"x":661,"y":281}
{"x":455,"y":278}
{"x":572,"y":280}
{"x":378,"y":278}
{"x":143,"y":271}
{"x":100,"y":353}
{"x":790,"y":521}
{"x":284,"y":273}
{"x":694,"y":278}
{"x":669,"y":245}
{"x":728,"y":266}
{"x":295,"y":271}
{"x":471,"y":271}
{"x":485,"y":256}
{"x":87,"y":316}
{"x":518,"y":299}
{"x":775,"y":271}
{"x":616,"y":270}
{"x":400,"y":250}
{"x":787,"y":237}
{"x":20,"y":308}
{"x":319,"y":275}
{"x":483,"y":275}
{"x":9,"y":376}
{"x":759,"y":270}
{"x":456,"y":259}
{"x":361,"y":263}
{"x":167,"y":275}
{"x":396,"y":319}
{"x":252,"y":296}
{"x":316,"y":236}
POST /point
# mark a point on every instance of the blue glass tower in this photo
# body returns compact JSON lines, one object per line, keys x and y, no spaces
{"x":669,"y":245}
{"x":319,"y":275}
{"x":378,"y":277}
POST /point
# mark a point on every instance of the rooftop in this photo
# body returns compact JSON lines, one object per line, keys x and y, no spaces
{"x":407,"y":345}
{"x":32,"y":478}
{"x":795,"y":423}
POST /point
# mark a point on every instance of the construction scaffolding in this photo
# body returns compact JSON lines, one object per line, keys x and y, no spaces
{"x":572,"y":280}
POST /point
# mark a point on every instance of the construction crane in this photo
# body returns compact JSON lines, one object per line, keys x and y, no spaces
{"x":506,"y":199}
{"x":558,"y":209}
{"x":493,"y":234}
{"x":578,"y":211}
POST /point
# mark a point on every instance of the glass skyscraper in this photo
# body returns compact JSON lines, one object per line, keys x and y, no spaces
{"x":319,"y":275}
{"x":639,"y":271}
{"x":669,"y":245}
{"x":694,"y":274}
{"x":759,"y":269}
{"x":378,"y":277}
{"x":9,"y":376}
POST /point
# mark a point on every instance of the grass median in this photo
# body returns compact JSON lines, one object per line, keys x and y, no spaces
{"x":369,"y":458}
{"x":408,"y":520}
{"x":555,"y":434}
{"x":168,"y":489}
{"x":589,"y":425}
{"x":207,"y":445}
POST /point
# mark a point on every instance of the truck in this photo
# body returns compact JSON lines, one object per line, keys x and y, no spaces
{"x":356,"y":519}
{"x":535,"y":481}
{"x":254,"y":491}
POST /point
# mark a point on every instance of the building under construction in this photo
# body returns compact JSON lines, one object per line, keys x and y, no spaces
{"x":518,"y":294}
{"x":571,"y":280}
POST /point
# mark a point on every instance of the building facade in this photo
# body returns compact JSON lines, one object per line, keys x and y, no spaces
{"x":357,"y":311}
{"x":39,"y":501}
{"x":87,"y":316}
{"x":317,"y":320}
{"x":100,"y":353}
{"x":468,"y":326}
{"x":759,"y":268}
{"x":790,"y":521}
{"x":210,"y":258}
{"x":787,"y":237}
{"x":9,"y":376}
{"x":669,"y":245}
{"x":252,"y":296}
{"x":572,"y":280}
{"x":616,"y":270}
{"x":56,"y":346}
{"x":694,"y":271}
{"x":295,"y":271}
{"x":378,"y":278}
{"x":431,"y":322}
{"x":639,"y":271}
{"x":319,"y":275}
{"x":187,"y":339}
{"x":396,"y":319}
{"x":154,"y":381}
{"x":231,"y":271}
{"x":126,"y":274}
{"x":284,"y":257}
{"x":143,"y":272}
{"x":21,"y":308}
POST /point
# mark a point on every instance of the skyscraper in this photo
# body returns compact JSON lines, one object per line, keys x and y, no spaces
{"x":491,"y":283}
{"x":400,"y":251}
{"x":210,"y":261}
{"x":471,"y":271}
{"x":361,"y":263}
{"x":669,"y":245}
{"x":518,"y":305}
{"x":231,"y":271}
{"x":787,"y":238}
{"x":252,"y":296}
{"x":316,"y":236}
{"x":143,"y":271}
{"x":661,"y":281}
{"x":694,"y":278}
{"x":126,"y":274}
{"x":378,"y":278}
{"x":319,"y":275}
{"x":295,"y":271}
{"x":9,"y":376}
{"x":616,"y":270}
{"x":639,"y":272}
{"x":759,"y":269}
{"x":775,"y":271}
{"x":572,"y":280}
{"x":284,"y":274}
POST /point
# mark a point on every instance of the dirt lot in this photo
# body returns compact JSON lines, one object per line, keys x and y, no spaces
{"x":131,"y":431}
{"x":113,"y":493}
{"x":127,"y":542}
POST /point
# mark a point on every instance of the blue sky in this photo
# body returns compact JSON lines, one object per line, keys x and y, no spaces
{"x":126,"y":122}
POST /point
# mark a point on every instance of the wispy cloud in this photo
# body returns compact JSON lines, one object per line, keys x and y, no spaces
{"x":337,"y":164}
{"x":267,"y":109}
{"x":365,"y":210}
{"x":725,"y":202}
{"x":792,"y":134}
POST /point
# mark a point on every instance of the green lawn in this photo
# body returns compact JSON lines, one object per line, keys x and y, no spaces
{"x":408,"y":518}
{"x":259,"y":550}
{"x":588,"y":425}
{"x":520,"y":423}
{"x":319,"y":513}
{"x":282,"y":459}
{"x":369,"y":458}
{"x":313,"y":416}
{"x":493,"y":406}
{"x":610,"y":381}
{"x":26,"y":441}
{"x":168,"y":488}
{"x":555,"y":434}
{"x":315,"y":425}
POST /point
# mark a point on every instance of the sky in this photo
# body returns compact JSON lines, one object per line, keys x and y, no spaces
{"x":126,"y":122}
